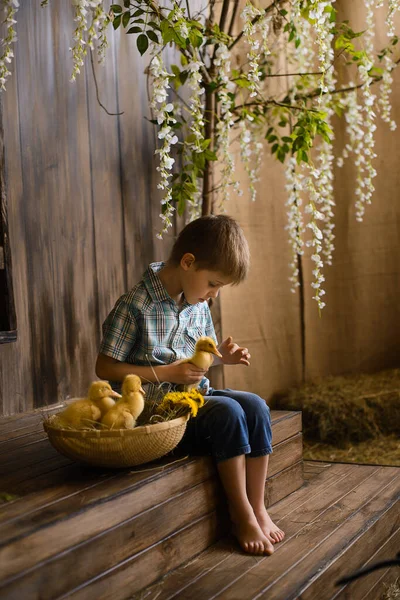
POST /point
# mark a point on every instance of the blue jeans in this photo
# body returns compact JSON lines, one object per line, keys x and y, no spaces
{"x":229,"y":424}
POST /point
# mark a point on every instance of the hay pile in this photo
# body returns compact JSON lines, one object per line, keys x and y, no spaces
{"x":346,"y":410}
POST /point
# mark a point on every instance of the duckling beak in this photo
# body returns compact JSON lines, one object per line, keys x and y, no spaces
{"x":217,"y":353}
{"x":142,"y":391}
{"x":114,"y":394}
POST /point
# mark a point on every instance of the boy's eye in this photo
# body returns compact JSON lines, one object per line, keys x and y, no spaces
{"x":212,"y":284}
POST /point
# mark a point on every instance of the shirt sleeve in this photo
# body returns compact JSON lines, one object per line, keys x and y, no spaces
{"x":120,"y":332}
{"x":209,"y":329}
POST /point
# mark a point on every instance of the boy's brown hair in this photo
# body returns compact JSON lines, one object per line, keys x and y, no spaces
{"x":217,"y":243}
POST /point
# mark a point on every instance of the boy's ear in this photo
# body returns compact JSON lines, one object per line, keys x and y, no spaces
{"x":187,"y":261}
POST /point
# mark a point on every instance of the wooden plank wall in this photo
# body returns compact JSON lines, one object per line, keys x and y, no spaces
{"x":79,"y":188}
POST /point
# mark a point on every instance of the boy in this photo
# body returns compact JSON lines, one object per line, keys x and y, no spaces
{"x":157,"y":323}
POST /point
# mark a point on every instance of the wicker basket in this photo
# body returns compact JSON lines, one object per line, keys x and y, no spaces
{"x":120,"y":447}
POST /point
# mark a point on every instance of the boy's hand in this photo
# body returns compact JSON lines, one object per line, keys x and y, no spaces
{"x":182,"y":372}
{"x":232,"y":354}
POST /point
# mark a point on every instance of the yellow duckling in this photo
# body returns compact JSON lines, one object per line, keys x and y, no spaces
{"x":82,"y":413}
{"x":126,"y":411}
{"x":202,"y":357}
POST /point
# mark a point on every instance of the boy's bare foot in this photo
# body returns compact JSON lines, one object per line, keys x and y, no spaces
{"x":251,"y":538}
{"x":268,"y":527}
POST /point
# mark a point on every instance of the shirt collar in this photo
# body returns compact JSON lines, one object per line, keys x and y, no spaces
{"x":155,"y":287}
{"x":153,"y":283}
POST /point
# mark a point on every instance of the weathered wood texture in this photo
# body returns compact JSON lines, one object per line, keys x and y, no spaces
{"x":339,"y":521}
{"x":79,"y":189}
{"x":66,"y":517}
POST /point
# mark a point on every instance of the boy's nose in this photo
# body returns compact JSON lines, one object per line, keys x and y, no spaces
{"x":213,"y":294}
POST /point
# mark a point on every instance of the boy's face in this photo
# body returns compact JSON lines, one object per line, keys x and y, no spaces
{"x":199,"y":285}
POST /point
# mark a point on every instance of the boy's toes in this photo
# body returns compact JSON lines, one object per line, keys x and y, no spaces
{"x":268,"y":548}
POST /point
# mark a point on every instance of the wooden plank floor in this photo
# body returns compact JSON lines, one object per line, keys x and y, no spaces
{"x":342,"y":518}
{"x":67,"y":518}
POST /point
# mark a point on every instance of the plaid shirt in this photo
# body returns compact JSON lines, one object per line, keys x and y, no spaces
{"x":146,"y":327}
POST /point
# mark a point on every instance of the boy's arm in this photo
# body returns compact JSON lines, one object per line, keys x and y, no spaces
{"x":112,"y":369}
{"x":177,"y":372}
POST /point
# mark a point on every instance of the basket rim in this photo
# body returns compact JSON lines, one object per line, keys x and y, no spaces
{"x":110,"y":433}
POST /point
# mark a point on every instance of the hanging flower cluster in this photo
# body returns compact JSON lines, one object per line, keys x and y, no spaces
{"x":255,"y":22}
{"x":162,"y":110}
{"x":225,"y":123}
{"x":394,"y":6}
{"x":196,"y":104}
{"x":295,"y":225}
{"x":386,"y":90}
{"x":10,"y":8}
{"x":317,"y":236}
{"x":320,"y":12}
{"x":250,"y":153}
{"x":365,"y":187}
{"x":96,"y":30}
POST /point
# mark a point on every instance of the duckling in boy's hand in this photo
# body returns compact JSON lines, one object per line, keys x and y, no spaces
{"x":82,"y":413}
{"x":202,"y":357}
{"x":126,"y":411}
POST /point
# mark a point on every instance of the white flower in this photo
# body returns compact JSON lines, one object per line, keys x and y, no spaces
{"x":10,"y":8}
{"x":196,"y":105}
{"x":224,"y":124}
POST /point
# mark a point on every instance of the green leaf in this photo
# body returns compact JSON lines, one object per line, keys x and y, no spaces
{"x":176,"y":70}
{"x":117,"y":21}
{"x":116,"y":8}
{"x":134,"y":30}
{"x":287,"y":139}
{"x":167,"y":31}
{"x":274,"y":148}
{"x":154,"y":25}
{"x":196,"y":38}
{"x":183,"y":77}
{"x":137,"y":13}
{"x":127,"y":3}
{"x":280,"y":155}
{"x":126,"y":18}
{"x":142,"y":43}
{"x":210,"y":155}
{"x":243,"y":82}
{"x":152,"y":36}
{"x":205,"y":143}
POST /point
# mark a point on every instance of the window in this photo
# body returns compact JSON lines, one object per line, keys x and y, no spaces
{"x":8,"y":320}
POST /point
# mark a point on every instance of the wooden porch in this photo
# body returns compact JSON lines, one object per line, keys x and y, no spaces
{"x":160,"y":531}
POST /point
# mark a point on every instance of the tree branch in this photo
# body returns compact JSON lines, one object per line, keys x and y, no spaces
{"x":233,"y":17}
{"x":267,"y":10}
{"x":318,"y":92}
{"x":97,"y":90}
{"x":224,"y":14}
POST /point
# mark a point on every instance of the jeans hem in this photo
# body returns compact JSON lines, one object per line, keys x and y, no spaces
{"x":219,"y":456}
{"x":258,"y":453}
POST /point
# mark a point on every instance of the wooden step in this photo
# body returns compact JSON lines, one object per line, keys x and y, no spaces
{"x":342,"y":518}
{"x":75,"y":519}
